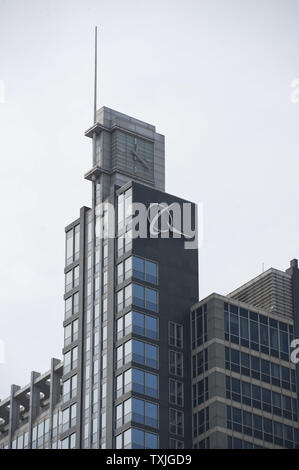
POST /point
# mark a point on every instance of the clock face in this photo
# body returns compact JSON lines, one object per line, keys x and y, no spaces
{"x":133,"y":155}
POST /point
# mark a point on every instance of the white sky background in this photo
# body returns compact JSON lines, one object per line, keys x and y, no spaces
{"x":212,"y":75}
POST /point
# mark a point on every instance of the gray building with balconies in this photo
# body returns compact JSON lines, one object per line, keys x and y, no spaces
{"x":244,"y":386}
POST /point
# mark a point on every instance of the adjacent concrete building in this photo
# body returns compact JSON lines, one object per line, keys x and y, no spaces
{"x":243,"y":384}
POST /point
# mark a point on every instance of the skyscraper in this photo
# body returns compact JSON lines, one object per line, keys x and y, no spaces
{"x":129,"y":290}
{"x":127,"y":301}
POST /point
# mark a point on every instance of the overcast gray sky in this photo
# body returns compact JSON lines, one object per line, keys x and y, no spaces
{"x":212,"y":75}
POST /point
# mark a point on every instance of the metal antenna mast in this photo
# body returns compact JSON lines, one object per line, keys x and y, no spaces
{"x":94,"y":137}
{"x":95,"y":74}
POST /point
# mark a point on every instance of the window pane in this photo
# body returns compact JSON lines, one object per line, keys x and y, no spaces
{"x":137,"y":439}
{"x":151,"y":299}
{"x":244,"y":328}
{"x":151,"y":272}
{"x":151,"y":326}
{"x":69,"y":247}
{"x":138,"y":323}
{"x":151,"y":441}
{"x":138,"y":295}
{"x":138,"y":268}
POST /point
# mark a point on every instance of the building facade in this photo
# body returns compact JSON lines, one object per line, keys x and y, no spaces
{"x":138,"y":370}
{"x":244,"y":386}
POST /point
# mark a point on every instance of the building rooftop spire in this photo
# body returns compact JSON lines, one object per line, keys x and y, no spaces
{"x":95,"y":74}
{"x":94,"y":136}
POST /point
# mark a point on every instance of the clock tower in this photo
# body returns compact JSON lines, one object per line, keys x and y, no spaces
{"x":126,"y":149}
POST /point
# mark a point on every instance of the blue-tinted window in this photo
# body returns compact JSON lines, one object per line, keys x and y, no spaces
{"x":138,"y":268}
{"x":138,"y":380}
{"x":138,"y":295}
{"x":138,"y":410}
{"x":145,"y":353}
{"x":151,"y":414}
{"x":151,"y":299}
{"x":151,"y":327}
{"x":151,"y":441}
{"x":145,"y":383}
{"x":138,"y":351}
{"x":151,"y":384}
{"x":145,"y":297}
{"x":151,"y":272}
{"x":137,"y":439}
{"x":145,"y":270}
{"x":138,"y":323}
{"x":151,"y":355}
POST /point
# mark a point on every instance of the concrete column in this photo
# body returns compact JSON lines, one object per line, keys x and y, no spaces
{"x":54,"y":392}
{"x":294,"y":272}
{"x":81,"y":351}
{"x":54,"y":385}
{"x":34,"y":403}
{"x":14,"y":413}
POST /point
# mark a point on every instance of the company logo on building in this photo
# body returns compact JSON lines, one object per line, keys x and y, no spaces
{"x":155,"y":220}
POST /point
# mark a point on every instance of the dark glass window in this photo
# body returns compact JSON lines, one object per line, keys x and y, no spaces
{"x":151,"y":272}
{"x":246,"y":393}
{"x":226,"y":326}
{"x":264,"y":337}
{"x":234,"y":325}
{"x":255,"y":367}
{"x":138,"y":268}
{"x":235,"y":360}
{"x":244,"y":330}
{"x":236,"y":390}
{"x":254,"y":335}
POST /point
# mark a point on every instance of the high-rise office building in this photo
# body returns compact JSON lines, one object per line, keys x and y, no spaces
{"x":127,"y":300}
{"x":145,"y":365}
{"x":244,"y":386}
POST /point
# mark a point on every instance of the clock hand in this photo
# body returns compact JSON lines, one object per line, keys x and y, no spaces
{"x":140,"y":159}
